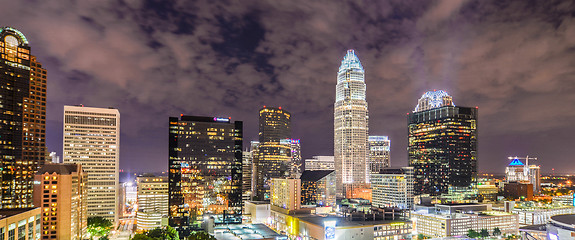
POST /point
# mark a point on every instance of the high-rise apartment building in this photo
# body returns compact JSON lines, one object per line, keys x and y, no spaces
{"x":442,"y":144}
{"x":378,"y":153}
{"x":274,"y":149}
{"x":295,"y":165}
{"x":152,"y":202}
{"x":286,"y":193}
{"x":517,"y":171}
{"x":92,"y":139}
{"x":205,"y":171}
{"x":23,"y":119}
{"x":393,"y":187}
{"x":60,"y":191}
{"x":319,"y":163}
{"x":350,"y":124}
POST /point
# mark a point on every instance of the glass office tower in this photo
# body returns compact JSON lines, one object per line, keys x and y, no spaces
{"x":205,"y":171}
{"x":442,"y":144}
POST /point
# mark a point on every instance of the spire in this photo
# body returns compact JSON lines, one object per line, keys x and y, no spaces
{"x":350,"y":61}
{"x":433,"y":99}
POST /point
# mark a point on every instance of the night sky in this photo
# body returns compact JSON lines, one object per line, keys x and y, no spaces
{"x":515,"y":60}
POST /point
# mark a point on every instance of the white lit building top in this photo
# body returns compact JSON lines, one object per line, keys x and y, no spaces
{"x":433,"y":99}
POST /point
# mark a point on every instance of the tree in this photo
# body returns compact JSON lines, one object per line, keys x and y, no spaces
{"x":484,"y":233}
{"x":473,"y":234}
{"x":99,"y":227}
{"x":496,"y":232}
{"x":165,"y":233}
{"x":201,"y":235}
{"x":141,"y":236}
{"x":420,"y":236}
{"x":511,"y":237}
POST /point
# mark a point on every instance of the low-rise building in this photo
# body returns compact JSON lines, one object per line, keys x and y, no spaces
{"x":318,"y":188}
{"x":457,"y":219}
{"x":561,"y":227}
{"x":568,"y":200}
{"x":22,"y":223}
{"x":152,"y":202}
{"x":258,"y":211}
{"x":324,"y":227}
{"x":319,"y":163}
{"x":532,"y":213}
{"x":393,"y":187}
{"x":61,"y":192}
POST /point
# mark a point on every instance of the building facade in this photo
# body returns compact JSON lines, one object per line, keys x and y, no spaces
{"x":21,"y":224}
{"x":205,"y":171}
{"x":92,"y":139}
{"x":318,"y":188}
{"x":60,"y":190}
{"x":517,"y":171}
{"x":561,"y":227}
{"x":442,"y":145}
{"x":286,"y":193}
{"x":350,"y":124}
{"x":274,"y":149}
{"x":247,"y":171}
{"x":393,"y":187}
{"x":532,"y":213}
{"x":152,"y":202}
{"x":319,"y":163}
{"x":296,"y":164}
{"x":23,"y":119}
{"x":379,"y":153}
{"x":445,"y":221}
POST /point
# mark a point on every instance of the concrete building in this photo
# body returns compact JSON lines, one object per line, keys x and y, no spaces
{"x":258,"y":211}
{"x":379,"y":153}
{"x":456,"y":220}
{"x":393,"y":187}
{"x":92,"y":139}
{"x":152,"y":202}
{"x":532,"y":213}
{"x":518,"y":191}
{"x":350,"y":124}
{"x":22,"y":224}
{"x":318,"y":188}
{"x":61,"y":192}
{"x":296,"y":164}
{"x":286,"y":193}
{"x":247,"y":170}
{"x":568,"y":200}
{"x":319,"y":163}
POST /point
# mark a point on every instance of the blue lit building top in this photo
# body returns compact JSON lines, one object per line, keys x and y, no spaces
{"x":433,"y":99}
{"x":516,"y":162}
{"x":350,"y":61}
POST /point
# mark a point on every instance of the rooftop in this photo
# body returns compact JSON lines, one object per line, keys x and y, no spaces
{"x":568,"y":219}
{"x":314,"y":176}
{"x":59,"y":168}
{"x":4,"y":213}
{"x":343,"y":222}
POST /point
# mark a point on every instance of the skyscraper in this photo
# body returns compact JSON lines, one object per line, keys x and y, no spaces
{"x":378,"y":153}
{"x":152,"y":202}
{"x":205,"y":171}
{"x":442,"y":144}
{"x":350,"y":123}
{"x":274,"y":149}
{"x":295,"y":165}
{"x":92,"y":139}
{"x":23,"y":119}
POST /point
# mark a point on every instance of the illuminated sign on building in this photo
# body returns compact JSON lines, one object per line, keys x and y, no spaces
{"x":217,"y":119}
{"x":329,"y":228}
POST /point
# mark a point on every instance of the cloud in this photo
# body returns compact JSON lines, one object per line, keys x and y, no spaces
{"x":154,"y":59}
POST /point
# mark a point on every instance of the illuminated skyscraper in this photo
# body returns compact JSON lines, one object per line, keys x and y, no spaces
{"x":23,"y":118}
{"x":274,"y":149}
{"x":92,"y":139}
{"x":350,"y":123}
{"x":205,"y":171}
{"x":378,"y":153}
{"x":442,"y":144}
{"x":295,"y":165}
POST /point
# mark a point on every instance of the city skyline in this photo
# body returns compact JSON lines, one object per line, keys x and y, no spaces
{"x":475,"y":50}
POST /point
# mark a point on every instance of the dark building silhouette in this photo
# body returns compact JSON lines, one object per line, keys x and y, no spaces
{"x":205,"y":171}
